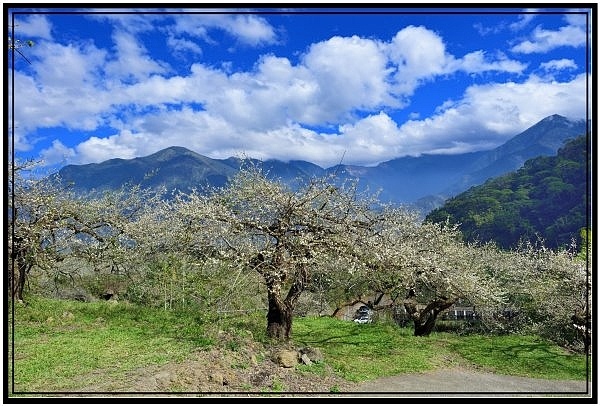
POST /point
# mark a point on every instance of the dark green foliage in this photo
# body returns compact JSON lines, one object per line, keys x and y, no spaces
{"x":547,"y":198}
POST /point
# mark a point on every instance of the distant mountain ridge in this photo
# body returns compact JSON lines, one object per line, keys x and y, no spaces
{"x":543,"y":139}
{"x":443,"y":176}
{"x":426,"y":180}
{"x":173,"y":168}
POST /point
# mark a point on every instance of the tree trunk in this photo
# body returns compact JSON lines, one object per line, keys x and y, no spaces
{"x":279,"y":317}
{"x":424,"y":319}
{"x":18,"y":281}
{"x":281,"y":312}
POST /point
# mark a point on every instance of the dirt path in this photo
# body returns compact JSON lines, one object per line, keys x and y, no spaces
{"x":464,"y":381}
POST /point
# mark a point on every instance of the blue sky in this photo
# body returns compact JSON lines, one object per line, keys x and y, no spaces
{"x":292,"y":85}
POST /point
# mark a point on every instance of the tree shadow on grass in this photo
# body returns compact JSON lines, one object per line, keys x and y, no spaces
{"x":542,"y":358}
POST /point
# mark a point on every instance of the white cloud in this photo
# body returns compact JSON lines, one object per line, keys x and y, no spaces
{"x":63,"y":90}
{"x":485,"y":117}
{"x":420,"y":54}
{"x":247,"y":29}
{"x":374,"y":135}
{"x":135,"y":22}
{"x":351,"y":84}
{"x":156,"y":90}
{"x":524,"y":19}
{"x":67,"y":67}
{"x":578,"y":17}
{"x":33,"y":26}
{"x":488,"y":114}
{"x":210,"y":135}
{"x":250,"y":29}
{"x":546,"y":40}
{"x":476,"y":62}
{"x":558,"y":64}
{"x":181,"y":46}
{"x":58,"y":153}
{"x":132,"y":60}
{"x":350,"y":74}
{"x":318,"y":90}
{"x":125,"y":145}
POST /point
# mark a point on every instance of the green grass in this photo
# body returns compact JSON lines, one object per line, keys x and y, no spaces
{"x":364,"y":352}
{"x":360,"y":352}
{"x":60,"y":345}
{"x":521,"y":356}
{"x":68,"y":345}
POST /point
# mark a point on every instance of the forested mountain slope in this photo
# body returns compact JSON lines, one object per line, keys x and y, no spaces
{"x":548,"y":197}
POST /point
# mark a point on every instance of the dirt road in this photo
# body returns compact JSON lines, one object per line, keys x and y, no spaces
{"x":461,"y":382}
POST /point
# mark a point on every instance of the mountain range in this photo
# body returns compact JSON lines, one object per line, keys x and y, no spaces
{"x":425,"y":181}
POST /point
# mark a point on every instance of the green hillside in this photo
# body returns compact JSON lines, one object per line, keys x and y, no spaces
{"x":548,"y":197}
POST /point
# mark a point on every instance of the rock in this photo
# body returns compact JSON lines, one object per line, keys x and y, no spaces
{"x":217,"y":378}
{"x":305,"y":360}
{"x":221,"y":378}
{"x":287,"y":358}
{"x":163,"y":379}
{"x":314,"y":354}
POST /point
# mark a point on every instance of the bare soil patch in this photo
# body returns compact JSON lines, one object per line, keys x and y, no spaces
{"x":248,"y":369}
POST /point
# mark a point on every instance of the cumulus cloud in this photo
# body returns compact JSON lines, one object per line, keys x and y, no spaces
{"x":341,"y":89}
{"x":489,"y":113}
{"x":420,"y":54}
{"x":546,"y":40}
{"x":64,"y":90}
{"x":58,"y":153}
{"x":67,"y":67}
{"x":483,"y":118}
{"x":338,"y":98}
{"x":478,"y":61}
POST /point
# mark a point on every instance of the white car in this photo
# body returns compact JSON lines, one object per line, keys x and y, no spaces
{"x":363,"y":315}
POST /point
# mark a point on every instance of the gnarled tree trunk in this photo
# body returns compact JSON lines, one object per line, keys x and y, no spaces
{"x":281,"y":311}
{"x":21,"y":268}
{"x":279,"y":318}
{"x":424,"y":319}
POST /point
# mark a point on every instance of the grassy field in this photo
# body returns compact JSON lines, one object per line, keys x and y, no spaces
{"x":65,"y":345}
{"x":56,"y":341}
{"x":366,"y":351}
